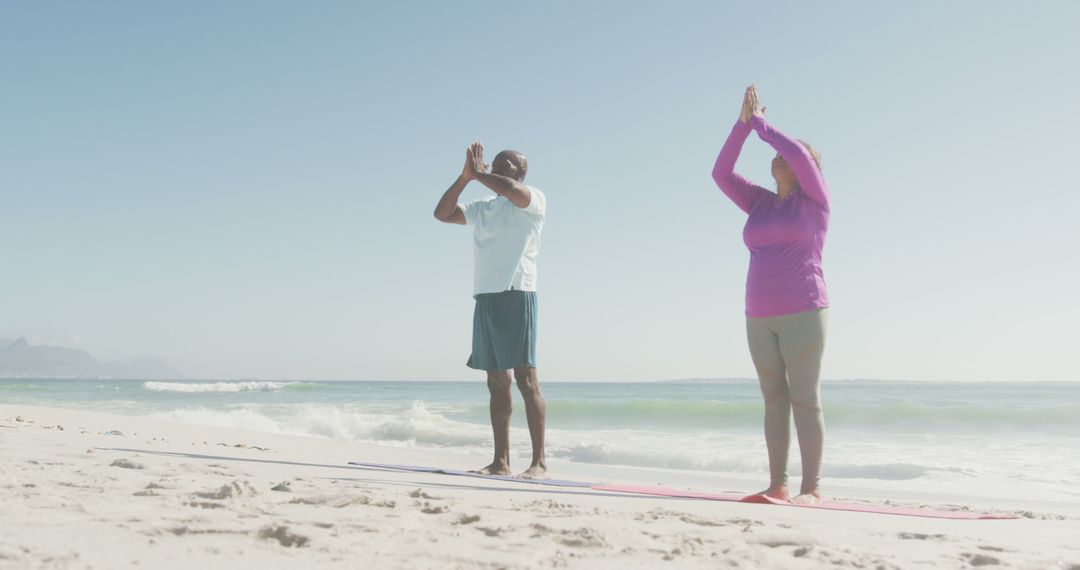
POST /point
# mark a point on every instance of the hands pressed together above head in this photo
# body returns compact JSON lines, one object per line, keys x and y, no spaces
{"x":474,"y":161}
{"x":751,"y":106}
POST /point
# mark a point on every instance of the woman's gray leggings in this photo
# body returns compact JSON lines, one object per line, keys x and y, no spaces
{"x":787,"y":353}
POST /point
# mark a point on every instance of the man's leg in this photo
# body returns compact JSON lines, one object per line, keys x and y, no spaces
{"x":536,"y":413}
{"x":501,"y":406}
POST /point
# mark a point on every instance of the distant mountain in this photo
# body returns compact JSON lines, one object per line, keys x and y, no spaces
{"x":19,"y":359}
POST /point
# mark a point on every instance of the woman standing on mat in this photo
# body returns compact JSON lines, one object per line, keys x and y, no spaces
{"x":786,"y":302}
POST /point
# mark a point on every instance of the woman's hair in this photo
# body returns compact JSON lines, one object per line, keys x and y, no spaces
{"x":813,"y":153}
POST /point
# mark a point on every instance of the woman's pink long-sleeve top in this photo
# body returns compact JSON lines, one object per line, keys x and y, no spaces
{"x":785,"y":237}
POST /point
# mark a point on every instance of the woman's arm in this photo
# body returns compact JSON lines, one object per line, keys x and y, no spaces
{"x":802,"y":163}
{"x":740,"y":190}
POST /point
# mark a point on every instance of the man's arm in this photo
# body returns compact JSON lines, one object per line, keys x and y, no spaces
{"x":517,"y":192}
{"x":447,"y":210}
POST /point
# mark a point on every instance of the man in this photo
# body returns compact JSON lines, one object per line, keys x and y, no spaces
{"x":506,"y":241}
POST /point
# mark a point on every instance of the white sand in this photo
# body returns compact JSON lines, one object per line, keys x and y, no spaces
{"x":158,"y":494}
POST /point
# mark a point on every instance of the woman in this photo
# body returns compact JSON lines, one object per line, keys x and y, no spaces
{"x":786,"y":302}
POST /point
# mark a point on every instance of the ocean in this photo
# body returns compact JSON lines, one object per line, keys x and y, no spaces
{"x":1016,"y":440}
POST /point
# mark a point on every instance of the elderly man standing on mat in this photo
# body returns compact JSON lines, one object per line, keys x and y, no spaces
{"x":506,"y":241}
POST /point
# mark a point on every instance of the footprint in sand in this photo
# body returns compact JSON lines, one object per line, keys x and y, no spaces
{"x":126,"y":464}
{"x":467,"y":519}
{"x":429,"y":509}
{"x":336,"y":501}
{"x":493,"y":532}
{"x":215,"y":469}
{"x":283,"y":535}
{"x":206,"y":505}
{"x":234,"y":489}
{"x":920,"y":536}
{"x":981,"y":559}
{"x":582,"y":537}
{"x":779,"y":542}
{"x":796,"y":546}
{"x":701,"y":521}
{"x":657,"y":514}
{"x":420,"y":494}
{"x":184,"y":530}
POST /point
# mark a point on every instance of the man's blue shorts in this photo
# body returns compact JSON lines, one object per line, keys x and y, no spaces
{"x":504,"y":331}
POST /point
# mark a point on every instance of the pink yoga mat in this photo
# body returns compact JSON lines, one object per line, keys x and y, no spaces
{"x":661,"y":491}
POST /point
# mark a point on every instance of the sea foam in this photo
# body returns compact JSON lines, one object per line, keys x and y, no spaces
{"x":191,"y":387}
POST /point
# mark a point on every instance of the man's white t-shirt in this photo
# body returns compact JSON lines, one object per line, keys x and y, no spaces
{"x":506,"y":241}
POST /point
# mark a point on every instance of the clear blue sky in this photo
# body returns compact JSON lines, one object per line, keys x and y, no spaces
{"x":245,"y":188}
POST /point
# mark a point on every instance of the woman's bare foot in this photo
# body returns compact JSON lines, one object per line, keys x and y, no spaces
{"x":535,"y":472}
{"x":779,"y":492}
{"x":810,"y":498}
{"x":496,"y":468}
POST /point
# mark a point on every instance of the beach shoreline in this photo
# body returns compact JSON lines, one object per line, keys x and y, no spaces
{"x":93,"y":490}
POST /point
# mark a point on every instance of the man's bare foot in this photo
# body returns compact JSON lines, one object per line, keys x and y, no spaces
{"x":779,"y":492}
{"x":811,"y":498}
{"x":496,"y":468}
{"x":535,"y":472}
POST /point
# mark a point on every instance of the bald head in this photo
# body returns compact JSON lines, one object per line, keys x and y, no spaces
{"x":511,"y":164}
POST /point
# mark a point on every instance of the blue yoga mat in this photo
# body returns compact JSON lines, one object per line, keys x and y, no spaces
{"x":459,"y":473}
